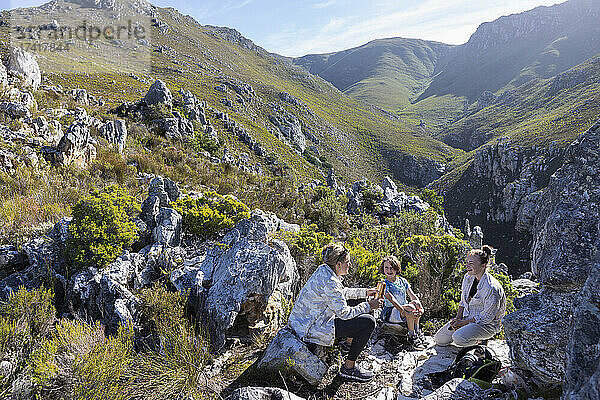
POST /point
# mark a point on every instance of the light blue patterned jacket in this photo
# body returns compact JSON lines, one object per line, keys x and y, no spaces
{"x":320,"y":301}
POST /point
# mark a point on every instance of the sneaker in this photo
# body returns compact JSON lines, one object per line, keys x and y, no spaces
{"x":416,"y":343}
{"x":421,"y":336}
{"x":345,"y":348}
{"x":355,"y":374}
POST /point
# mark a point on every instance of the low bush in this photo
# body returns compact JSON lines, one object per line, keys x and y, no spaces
{"x":172,"y":368}
{"x":326,"y":210}
{"x":210,"y":213}
{"x":437,"y":260}
{"x":435,"y":200}
{"x":102,"y":227}
{"x":364,"y":271}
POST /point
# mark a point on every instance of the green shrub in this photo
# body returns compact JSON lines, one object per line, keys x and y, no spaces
{"x":510,"y":292}
{"x":202,"y":141}
{"x":370,"y":198}
{"x":364,"y":271}
{"x":326,"y":210}
{"x":307,"y":242}
{"x":435,"y":258}
{"x":158,"y":111}
{"x":102,"y":227}
{"x":389,"y":237}
{"x":435,"y":200}
{"x":173,"y":370}
{"x":210,"y":213}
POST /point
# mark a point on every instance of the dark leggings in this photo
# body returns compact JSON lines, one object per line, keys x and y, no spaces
{"x":359,"y":329}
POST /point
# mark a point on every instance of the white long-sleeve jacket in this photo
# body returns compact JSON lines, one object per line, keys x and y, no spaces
{"x":488,"y":306}
{"x":320,"y":301}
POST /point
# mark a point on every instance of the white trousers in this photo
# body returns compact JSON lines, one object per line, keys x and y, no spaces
{"x":468,"y":335}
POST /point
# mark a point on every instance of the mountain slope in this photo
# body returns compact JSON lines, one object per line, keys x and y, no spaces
{"x":199,"y":58}
{"x":513,"y":49}
{"x":389,"y":73}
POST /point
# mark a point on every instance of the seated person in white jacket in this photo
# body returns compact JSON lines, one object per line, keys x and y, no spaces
{"x":482,"y":305}
{"x":322,"y":314}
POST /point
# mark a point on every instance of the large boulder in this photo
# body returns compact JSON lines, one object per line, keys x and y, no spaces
{"x":583,"y":358}
{"x":248,"y":276}
{"x":24,"y":66}
{"x":288,"y":351}
{"x":159,"y":93}
{"x":551,"y":326}
{"x":262,"y":393}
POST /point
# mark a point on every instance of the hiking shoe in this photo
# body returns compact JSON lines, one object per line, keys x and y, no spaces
{"x":355,"y":374}
{"x":416,"y":343}
{"x":345,"y":348}
{"x":421,"y":336}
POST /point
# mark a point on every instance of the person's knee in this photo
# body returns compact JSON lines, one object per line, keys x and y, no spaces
{"x":441,"y":338}
{"x":369,"y":322}
{"x":462,"y":341}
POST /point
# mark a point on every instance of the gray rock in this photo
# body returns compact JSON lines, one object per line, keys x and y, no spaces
{"x":476,"y":238}
{"x":187,"y":277}
{"x":168,"y":227}
{"x":290,"y":128}
{"x":24,"y":66}
{"x":11,"y":260}
{"x":288,"y":351}
{"x":524,"y":286}
{"x":3,"y":76}
{"x":115,"y":132}
{"x":250,"y":276}
{"x":14,"y":110}
{"x":582,"y":379}
{"x":457,"y":389}
{"x":44,"y":260}
{"x":159,"y":93}
{"x":262,"y":393}
{"x":76,"y":145}
{"x":80,"y":96}
{"x":549,"y":327}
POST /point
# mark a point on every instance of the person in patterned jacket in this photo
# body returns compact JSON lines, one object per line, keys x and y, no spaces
{"x":322,"y":314}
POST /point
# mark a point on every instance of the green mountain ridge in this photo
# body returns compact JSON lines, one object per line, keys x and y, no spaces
{"x":198,"y":58}
{"x":389,"y":73}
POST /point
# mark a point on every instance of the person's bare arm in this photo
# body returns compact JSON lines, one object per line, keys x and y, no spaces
{"x":395,"y":303}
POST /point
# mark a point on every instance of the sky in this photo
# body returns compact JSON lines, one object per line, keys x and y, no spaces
{"x":297,"y":27}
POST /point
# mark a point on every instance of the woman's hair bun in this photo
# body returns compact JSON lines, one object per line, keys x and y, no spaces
{"x":487,"y":250}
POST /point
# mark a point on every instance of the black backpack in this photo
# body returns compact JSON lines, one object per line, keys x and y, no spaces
{"x":478,"y":363}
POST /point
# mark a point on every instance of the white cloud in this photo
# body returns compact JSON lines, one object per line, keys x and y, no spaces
{"x":451,"y":21}
{"x":324,"y":4}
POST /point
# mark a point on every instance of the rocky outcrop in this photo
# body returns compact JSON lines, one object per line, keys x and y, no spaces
{"x":159,"y":93}
{"x":23,"y":65}
{"x":286,"y":350}
{"x":412,"y":170}
{"x":40,"y":259}
{"x":498,"y":191}
{"x":289,"y":128}
{"x":115,"y":132}
{"x":76,"y":146}
{"x":549,"y":327}
{"x":246,"y":278}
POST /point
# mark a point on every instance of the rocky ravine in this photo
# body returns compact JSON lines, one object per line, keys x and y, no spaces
{"x":499,"y":192}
